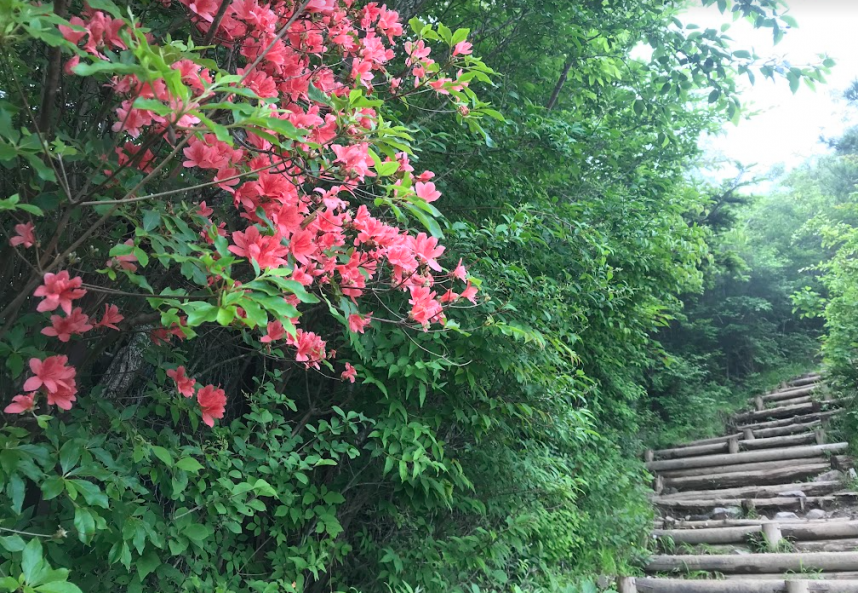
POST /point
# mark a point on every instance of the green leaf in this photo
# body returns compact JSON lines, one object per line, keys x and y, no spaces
{"x":225,"y":315}
{"x":459,"y":36}
{"x":794,"y":83}
{"x":84,"y":522}
{"x":142,"y":256}
{"x":69,"y":455}
{"x":263,"y":488}
{"x":189,"y":464}
{"x":151,"y":220}
{"x":318,"y":96}
{"x":12,"y":543}
{"x":387,"y":169}
{"x":9,"y":584}
{"x":147,"y":563}
{"x":59,"y":587}
{"x":427,"y":221}
{"x":15,"y":491}
{"x":52,"y":487}
{"x":92,"y":494}
{"x":201,"y":313}
{"x":162,"y":454}
{"x":196,"y":532}
{"x":31,"y":559}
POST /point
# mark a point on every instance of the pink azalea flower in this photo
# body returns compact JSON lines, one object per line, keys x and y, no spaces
{"x":426,"y":191}
{"x":59,"y":291}
{"x":463,"y":48}
{"x":51,"y":373}
{"x":470,"y":293}
{"x":62,"y":398}
{"x":204,"y":210}
{"x":64,"y":327}
{"x":275,"y":332}
{"x":126,"y":262}
{"x":21,"y":404}
{"x":460,"y":272}
{"x":264,"y":249}
{"x":358,"y":323}
{"x":212,"y":402}
{"x":25,"y":235}
{"x":110,"y":318}
{"x":184,"y":384}
{"x":349,"y":374}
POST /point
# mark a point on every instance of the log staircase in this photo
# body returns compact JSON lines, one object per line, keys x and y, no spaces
{"x":765,"y":508}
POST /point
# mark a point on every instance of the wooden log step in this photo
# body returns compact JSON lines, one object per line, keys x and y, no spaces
{"x":784,"y":441}
{"x":781,"y":503}
{"x":784,"y":412}
{"x":727,"y":480}
{"x":838,"y":576}
{"x":709,"y":441}
{"x":809,"y":489}
{"x":763,"y":433}
{"x":692,"y":451}
{"x":782,"y":394}
{"x":805,"y":381}
{"x":827,"y":529}
{"x":746,"y":457}
{"x":777,"y":584}
{"x":723,"y":447}
{"x":720,"y":523}
{"x":715,"y":535}
{"x":824,"y":530}
{"x":769,"y":413}
{"x":791,"y":401}
{"x":756,"y":563}
{"x":788,"y":421}
{"x":689,"y":550}
{"x":827,"y":545}
{"x":762,"y":465}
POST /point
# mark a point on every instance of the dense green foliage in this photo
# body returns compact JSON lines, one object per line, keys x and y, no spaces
{"x":500,"y":453}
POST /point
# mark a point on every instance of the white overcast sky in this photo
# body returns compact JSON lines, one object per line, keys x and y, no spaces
{"x":787,"y":128}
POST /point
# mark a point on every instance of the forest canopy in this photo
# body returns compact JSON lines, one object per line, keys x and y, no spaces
{"x":335,"y":295}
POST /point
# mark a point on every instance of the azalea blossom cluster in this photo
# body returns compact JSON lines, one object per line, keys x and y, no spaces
{"x":302,"y":205}
{"x":53,"y":376}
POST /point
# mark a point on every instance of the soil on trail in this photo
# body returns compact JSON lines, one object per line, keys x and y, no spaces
{"x":768,"y":507}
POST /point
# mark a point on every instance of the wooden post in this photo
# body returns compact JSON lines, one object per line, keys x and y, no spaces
{"x":733,"y":445}
{"x":772,"y":535}
{"x":658,"y":486}
{"x":649,"y":455}
{"x":627,"y":585}
{"x":748,"y":434}
{"x":797,"y":587}
{"x":749,"y":506}
{"x":820,"y":436}
{"x":759,"y":403}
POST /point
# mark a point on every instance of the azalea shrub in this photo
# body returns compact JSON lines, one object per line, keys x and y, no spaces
{"x":215,"y":230}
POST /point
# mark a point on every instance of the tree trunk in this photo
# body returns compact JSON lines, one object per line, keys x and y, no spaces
{"x":555,"y":94}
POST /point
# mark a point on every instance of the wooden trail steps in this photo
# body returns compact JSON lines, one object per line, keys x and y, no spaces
{"x":762,"y":509}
